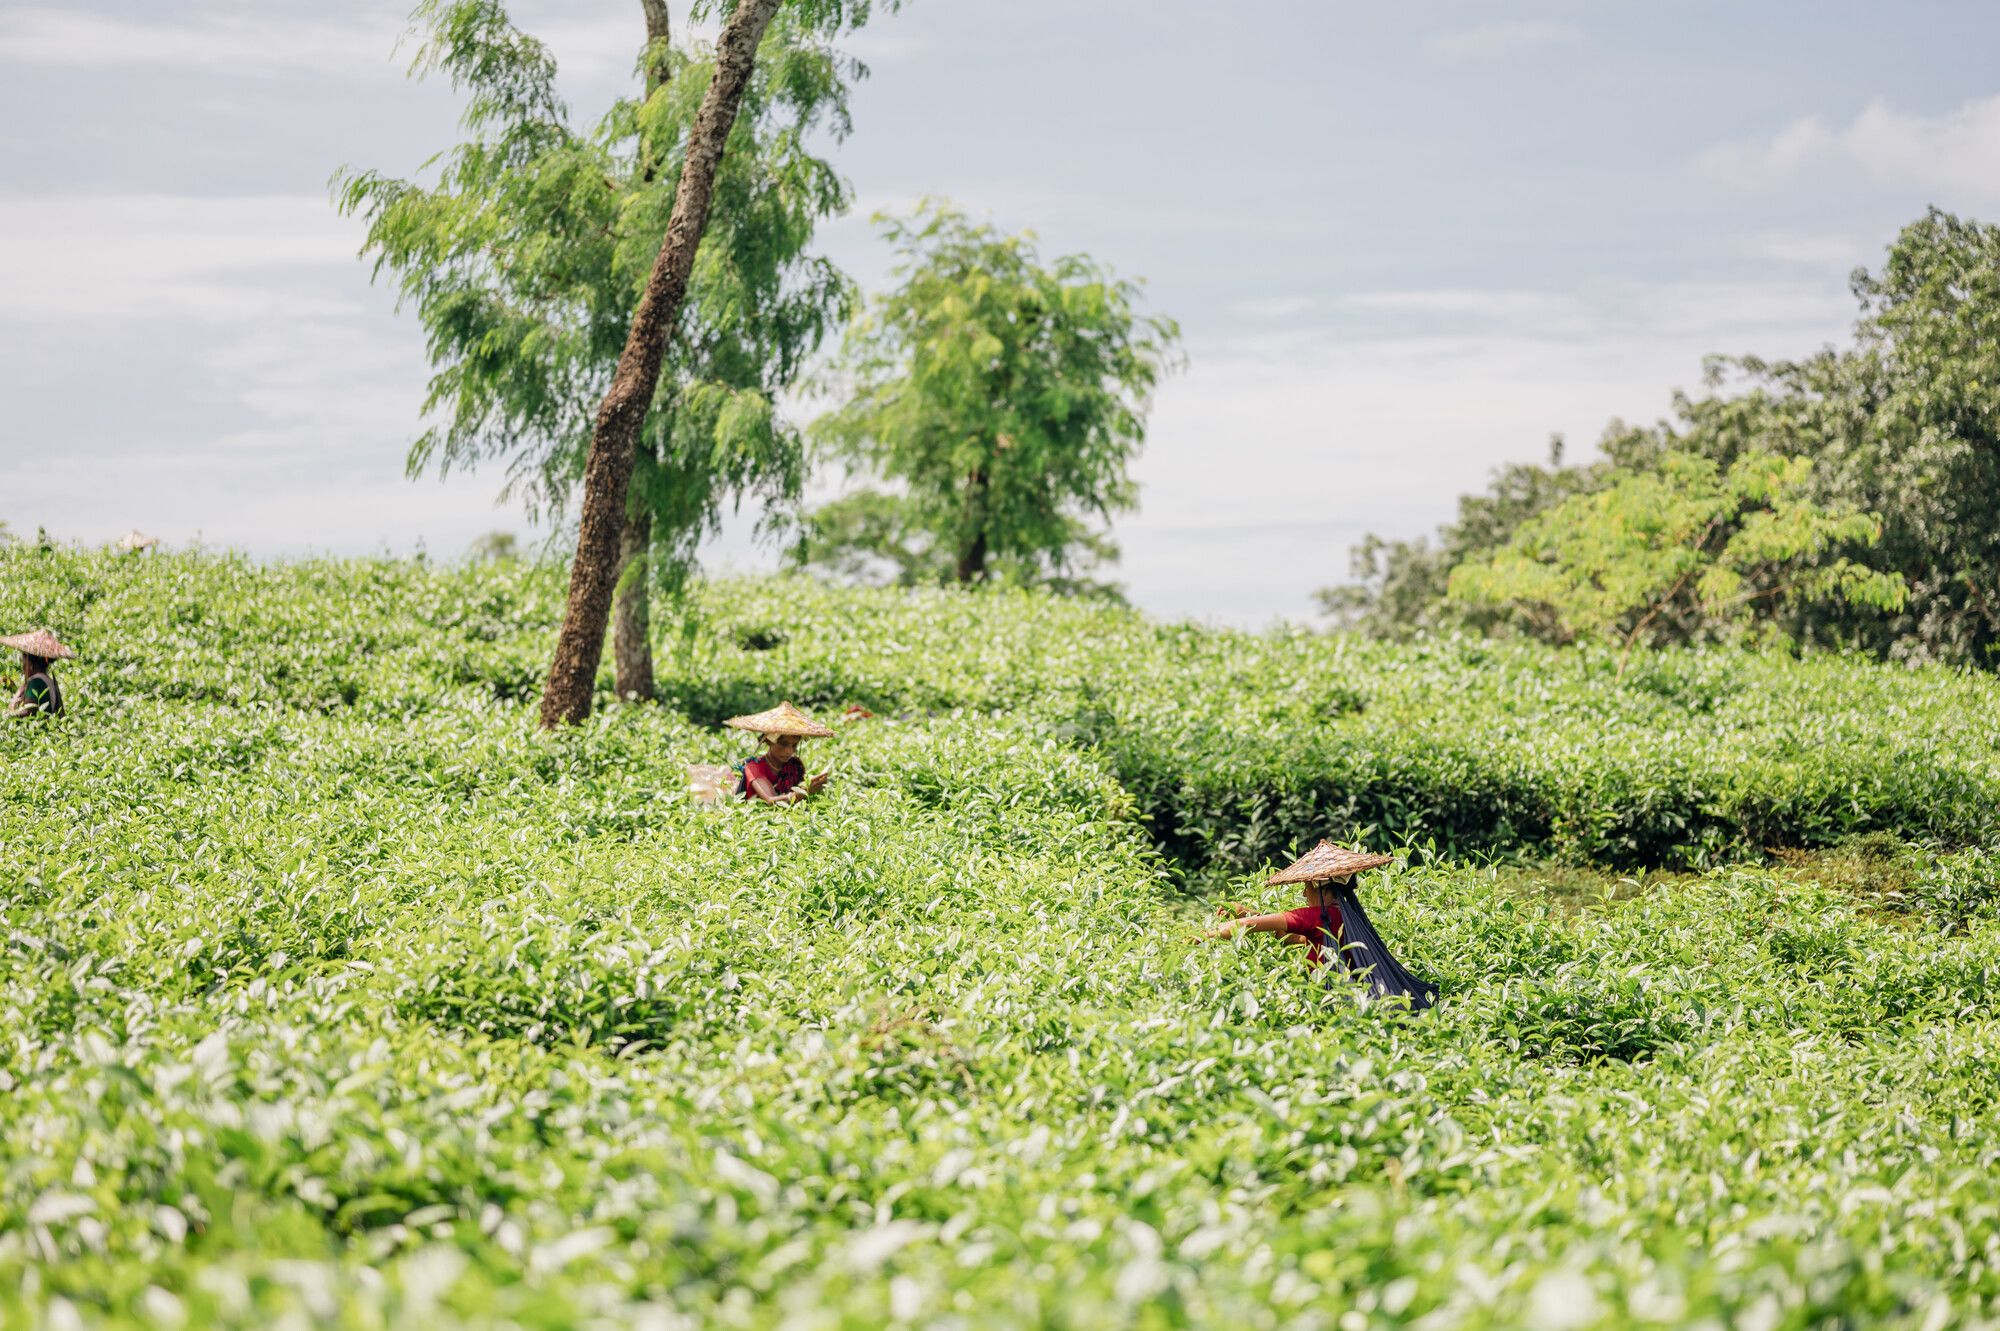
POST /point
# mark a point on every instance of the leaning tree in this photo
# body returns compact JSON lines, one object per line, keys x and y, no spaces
{"x":571,"y":341}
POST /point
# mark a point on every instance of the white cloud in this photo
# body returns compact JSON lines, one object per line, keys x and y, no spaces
{"x":281,"y":433}
{"x":1445,"y":315}
{"x":882,"y":48}
{"x":1489,"y":42}
{"x":1274,"y":307}
{"x":369,"y":41}
{"x":239,"y":42}
{"x":889,"y":204}
{"x":314,"y":385}
{"x":599,"y":50}
{"x":1551,"y":311}
{"x":132,"y":257}
{"x":1810,"y":249}
{"x":1956,"y":152}
{"x":1275,"y":451}
{"x":291,"y":509}
{"x":1765,"y":316}
{"x":273,"y":383}
{"x":236,"y":41}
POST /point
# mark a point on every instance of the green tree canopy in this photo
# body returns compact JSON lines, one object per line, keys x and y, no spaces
{"x":1689,"y":546}
{"x":1904,"y":424}
{"x":1001,"y":398}
{"x":525,"y":257}
{"x":1907,"y":423}
{"x":1399,"y":585}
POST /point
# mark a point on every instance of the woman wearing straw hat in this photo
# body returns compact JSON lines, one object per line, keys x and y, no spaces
{"x":1332,"y":920}
{"x":39,"y":695}
{"x":777,"y":776}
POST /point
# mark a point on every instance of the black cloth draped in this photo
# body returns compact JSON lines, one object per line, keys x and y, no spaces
{"x":1367,"y":958}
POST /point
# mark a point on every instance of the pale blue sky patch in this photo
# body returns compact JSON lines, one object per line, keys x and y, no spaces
{"x":1406,"y":243}
{"x":1502,"y":40}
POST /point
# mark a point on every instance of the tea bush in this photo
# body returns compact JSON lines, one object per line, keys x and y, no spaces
{"x":1240,"y":747}
{"x":1956,"y":889}
{"x":332,"y":993}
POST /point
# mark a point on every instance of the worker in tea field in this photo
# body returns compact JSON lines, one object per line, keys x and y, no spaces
{"x":778,"y":775}
{"x":39,"y":695}
{"x":1332,"y":921}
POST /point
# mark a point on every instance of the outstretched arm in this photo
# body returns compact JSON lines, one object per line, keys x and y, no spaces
{"x":1262,"y":924}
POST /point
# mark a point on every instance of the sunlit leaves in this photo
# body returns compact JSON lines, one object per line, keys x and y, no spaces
{"x":1903,"y":425}
{"x":523,"y":253}
{"x":1001,"y":397}
{"x":333,"y":993}
{"x":1687,"y":539}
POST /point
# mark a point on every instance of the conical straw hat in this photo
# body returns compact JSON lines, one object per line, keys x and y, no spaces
{"x":784,"y":719}
{"x":40,"y":643}
{"x":1326,"y":861}
{"x":137,"y":540}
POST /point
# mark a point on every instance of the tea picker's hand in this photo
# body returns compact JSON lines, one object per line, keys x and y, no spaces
{"x":818,"y":782}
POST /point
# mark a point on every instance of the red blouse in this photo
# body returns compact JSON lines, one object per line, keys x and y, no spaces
{"x":1309,"y":921}
{"x":782,"y":778}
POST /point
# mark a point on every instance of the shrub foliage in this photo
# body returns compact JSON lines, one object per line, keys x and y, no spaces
{"x":333,"y":993}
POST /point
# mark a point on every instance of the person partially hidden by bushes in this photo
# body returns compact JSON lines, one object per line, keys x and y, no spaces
{"x":1332,"y":922}
{"x":39,"y":695}
{"x":778,"y":775}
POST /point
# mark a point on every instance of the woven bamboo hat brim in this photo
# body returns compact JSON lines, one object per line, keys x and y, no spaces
{"x":40,"y":643}
{"x":784,"y":719}
{"x":1326,"y":861}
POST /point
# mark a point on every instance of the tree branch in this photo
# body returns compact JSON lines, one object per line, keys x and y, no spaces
{"x":658,"y":29}
{"x":1659,"y":606}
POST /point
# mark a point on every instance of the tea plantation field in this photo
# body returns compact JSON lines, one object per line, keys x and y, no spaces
{"x":334,"y":994}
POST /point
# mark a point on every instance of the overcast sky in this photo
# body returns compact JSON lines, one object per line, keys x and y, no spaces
{"x":1405,"y":242}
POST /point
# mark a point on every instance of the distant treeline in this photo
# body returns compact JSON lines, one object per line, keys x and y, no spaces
{"x":1848,"y":500}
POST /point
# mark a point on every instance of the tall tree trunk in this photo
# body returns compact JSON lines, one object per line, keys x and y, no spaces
{"x":632,"y":619}
{"x":607,"y":473}
{"x":632,"y":609}
{"x":972,"y":554}
{"x":658,"y":29}
{"x":972,"y":559}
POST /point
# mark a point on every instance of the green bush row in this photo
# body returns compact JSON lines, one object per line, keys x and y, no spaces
{"x":374,"y":1007}
{"x":1237,"y":748}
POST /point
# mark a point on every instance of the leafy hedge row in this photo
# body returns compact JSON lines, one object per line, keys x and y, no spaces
{"x":1241,"y":747}
{"x":1237,"y":747}
{"x":370,"y":1006}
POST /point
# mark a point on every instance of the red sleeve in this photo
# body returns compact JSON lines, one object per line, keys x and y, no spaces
{"x":753,"y":771}
{"x":1304,"y":920}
